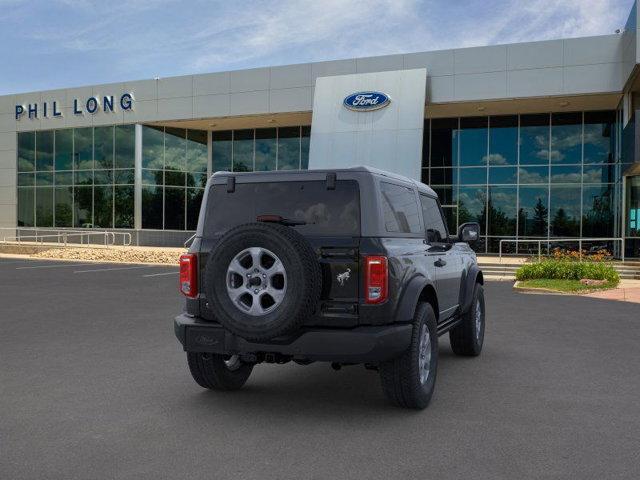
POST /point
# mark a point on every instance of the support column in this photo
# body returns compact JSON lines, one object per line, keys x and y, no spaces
{"x":209,"y":154}
{"x":137,"y":211}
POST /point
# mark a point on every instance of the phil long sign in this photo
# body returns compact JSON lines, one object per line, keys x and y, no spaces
{"x":91,"y":105}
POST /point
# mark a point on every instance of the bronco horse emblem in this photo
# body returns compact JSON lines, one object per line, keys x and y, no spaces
{"x":343,"y":277}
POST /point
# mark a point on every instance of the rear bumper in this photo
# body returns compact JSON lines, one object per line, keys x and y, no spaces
{"x":356,"y":345}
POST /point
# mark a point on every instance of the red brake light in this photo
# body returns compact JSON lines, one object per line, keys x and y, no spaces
{"x":376,"y":275}
{"x":189,"y":275}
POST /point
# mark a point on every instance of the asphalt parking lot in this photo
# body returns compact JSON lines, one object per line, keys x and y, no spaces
{"x":93,"y":385}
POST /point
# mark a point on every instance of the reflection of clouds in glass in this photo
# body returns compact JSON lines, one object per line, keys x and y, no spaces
{"x":593,"y":175}
{"x":541,"y":141}
{"x":316,"y":213}
{"x":543,"y":155}
{"x":494,"y":159}
{"x":556,"y":156}
{"x":196,"y":157}
{"x":566,"y":177}
{"x":321,"y":214}
{"x":506,"y":202}
{"x":534,"y":144}
{"x":596,"y":146}
{"x":349,"y":215}
{"x":473,"y":202}
{"x":593,"y":136}
{"x":566,"y":139}
{"x":527,"y":176}
{"x":567,"y":199}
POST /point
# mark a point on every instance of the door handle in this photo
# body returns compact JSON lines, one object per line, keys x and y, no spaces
{"x":440,"y":263}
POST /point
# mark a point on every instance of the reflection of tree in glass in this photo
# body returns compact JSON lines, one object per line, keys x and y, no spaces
{"x":598,"y":218}
{"x":499,"y":222}
{"x":464,"y":215}
{"x":44,"y":216}
{"x":540,"y":216}
{"x":174,"y":178}
{"x":83,"y":198}
{"x":563,"y":225}
{"x":123,"y":200}
{"x":471,"y":208}
{"x":63,"y":215}
{"x":536,"y":226}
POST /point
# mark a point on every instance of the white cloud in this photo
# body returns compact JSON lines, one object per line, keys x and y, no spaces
{"x":549,"y":19}
{"x":328,"y":29}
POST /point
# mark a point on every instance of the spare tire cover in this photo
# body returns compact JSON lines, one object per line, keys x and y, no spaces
{"x":262,"y":280}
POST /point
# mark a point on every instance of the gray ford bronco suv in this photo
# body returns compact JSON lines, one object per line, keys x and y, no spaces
{"x":349,"y":266}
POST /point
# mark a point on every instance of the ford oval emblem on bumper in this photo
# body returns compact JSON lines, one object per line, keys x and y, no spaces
{"x":366,"y":101}
{"x":206,"y":340}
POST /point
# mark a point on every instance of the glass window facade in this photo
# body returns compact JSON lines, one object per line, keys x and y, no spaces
{"x":174,"y":173}
{"x":85,"y":177}
{"x":77,"y":177}
{"x":261,"y":149}
{"x":535,"y":176}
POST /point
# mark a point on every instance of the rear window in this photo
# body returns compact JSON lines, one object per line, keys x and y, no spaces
{"x":326,"y":212}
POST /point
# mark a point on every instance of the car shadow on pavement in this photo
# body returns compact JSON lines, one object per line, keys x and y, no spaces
{"x":292,"y":391}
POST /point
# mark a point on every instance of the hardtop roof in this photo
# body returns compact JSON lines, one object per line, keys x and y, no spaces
{"x":360,"y":168}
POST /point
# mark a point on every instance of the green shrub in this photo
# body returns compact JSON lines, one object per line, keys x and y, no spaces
{"x":558,"y":269}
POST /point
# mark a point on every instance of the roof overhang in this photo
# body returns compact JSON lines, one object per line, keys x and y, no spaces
{"x":267,"y":120}
{"x":573,"y":103}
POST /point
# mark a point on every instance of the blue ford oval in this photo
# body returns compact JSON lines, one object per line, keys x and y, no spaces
{"x":366,"y":101}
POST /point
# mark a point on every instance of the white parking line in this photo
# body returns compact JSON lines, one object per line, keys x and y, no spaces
{"x":53,"y":266}
{"x":112,"y":269}
{"x":159,"y":274}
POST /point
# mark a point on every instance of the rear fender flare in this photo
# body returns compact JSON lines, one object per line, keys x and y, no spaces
{"x":409,"y":300}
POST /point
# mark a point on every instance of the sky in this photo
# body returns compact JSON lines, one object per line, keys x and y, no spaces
{"x":48,"y":44}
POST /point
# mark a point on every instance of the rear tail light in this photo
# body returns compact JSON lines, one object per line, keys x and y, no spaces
{"x":376,"y":274}
{"x":189,"y":275}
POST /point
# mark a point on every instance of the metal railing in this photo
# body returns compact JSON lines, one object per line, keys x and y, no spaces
{"x":68,"y":237}
{"x":549,"y":242}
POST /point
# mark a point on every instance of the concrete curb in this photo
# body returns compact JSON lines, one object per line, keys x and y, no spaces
{"x":549,"y":291}
{"x":76,"y":260}
{"x":539,"y":291}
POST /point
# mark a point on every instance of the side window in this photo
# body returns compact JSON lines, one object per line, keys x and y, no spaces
{"x":433,"y":222}
{"x":400,"y":209}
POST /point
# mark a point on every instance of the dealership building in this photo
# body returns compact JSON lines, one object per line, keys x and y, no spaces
{"x":536,"y":141}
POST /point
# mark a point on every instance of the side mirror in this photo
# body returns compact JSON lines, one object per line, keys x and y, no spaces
{"x":469,"y":232}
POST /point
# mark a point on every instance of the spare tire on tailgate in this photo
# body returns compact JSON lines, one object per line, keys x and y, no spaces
{"x":262,"y":280}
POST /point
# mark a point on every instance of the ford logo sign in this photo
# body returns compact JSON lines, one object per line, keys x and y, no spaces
{"x":366,"y":101}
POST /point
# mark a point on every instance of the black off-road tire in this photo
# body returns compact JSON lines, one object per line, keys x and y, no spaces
{"x":466,"y":338}
{"x":401,"y":377}
{"x":304,"y":280}
{"x":210,"y":371}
